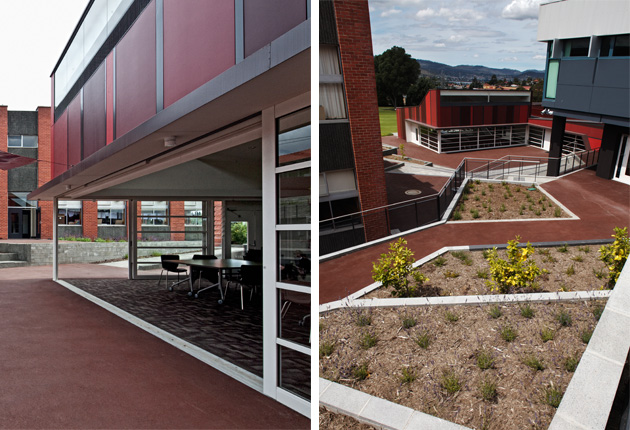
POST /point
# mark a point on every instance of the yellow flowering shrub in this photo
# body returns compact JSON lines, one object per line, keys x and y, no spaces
{"x":394,"y":269}
{"x":515,"y":273}
{"x":615,"y":255}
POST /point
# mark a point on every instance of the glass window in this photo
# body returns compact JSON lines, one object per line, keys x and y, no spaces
{"x":333,"y":103}
{"x":295,"y":311}
{"x":18,"y":200}
{"x":551,"y":81}
{"x":154,"y":213}
{"x":193,"y":212}
{"x":22,"y":141}
{"x":294,"y":138}
{"x":111,"y":212}
{"x":294,"y":197}
{"x":615,"y":46}
{"x":294,"y":248}
{"x":295,"y":372}
{"x":69,"y":213}
{"x":29,"y":141}
{"x":576,"y":47}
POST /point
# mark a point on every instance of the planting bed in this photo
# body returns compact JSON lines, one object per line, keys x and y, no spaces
{"x":444,"y":360}
{"x":499,"y":201}
{"x":571,"y":268}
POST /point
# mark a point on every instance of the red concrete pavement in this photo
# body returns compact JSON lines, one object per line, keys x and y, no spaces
{"x":600,"y":204}
{"x":67,"y":363}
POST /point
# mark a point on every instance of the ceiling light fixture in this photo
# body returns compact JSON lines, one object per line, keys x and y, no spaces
{"x":170,"y":142}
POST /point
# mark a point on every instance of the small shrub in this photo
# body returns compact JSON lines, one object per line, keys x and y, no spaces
{"x":408,"y":375}
{"x":508,"y":333}
{"x":527,"y":311}
{"x":522,"y":208}
{"x":363,"y":318}
{"x":477,"y":198}
{"x":537,"y":212}
{"x":552,"y":396}
{"x":614,"y":256}
{"x":584,"y":249}
{"x":326,"y":348}
{"x":490,"y":187}
{"x":484,"y":205}
{"x":451,"y":274}
{"x":450,"y":382}
{"x":506,"y":196}
{"x":488,"y":389}
{"x":489,"y":209}
{"x":486,"y":253}
{"x":534,"y":362}
{"x":477,"y":182}
{"x":439,"y":261}
{"x":423,"y":340}
{"x":531,"y":208}
{"x":495,"y":311}
{"x":520,"y":212}
{"x":599,"y":274}
{"x":597,"y":312}
{"x":483,"y":192}
{"x":451,"y":316}
{"x":485,"y":359}
{"x":462,"y":256}
{"x":483,"y":274}
{"x":557,"y":212}
{"x":475,"y":214}
{"x":586,"y":335}
{"x":571,"y":362}
{"x":368,"y":340}
{"x":518,"y":271}
{"x":456,"y":216}
{"x":393,"y":270}
{"x":465,"y":197}
{"x":360,"y":372}
{"x":578,"y":258}
{"x":564,"y":318}
{"x":571,"y":270}
{"x":564,"y":248}
{"x":409,"y":322}
{"x":547,"y":334}
{"x":550,"y":259}
{"x":502,"y":208}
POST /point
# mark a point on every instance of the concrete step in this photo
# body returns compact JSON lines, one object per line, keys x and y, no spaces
{"x":8,"y":256}
{"x":7,"y":264}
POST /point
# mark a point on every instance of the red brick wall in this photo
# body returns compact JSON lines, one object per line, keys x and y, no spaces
{"x":218,"y":224}
{"x":4,"y":211}
{"x":44,"y":168}
{"x":355,"y":46}
{"x":177,"y":224}
{"x":90,"y":219}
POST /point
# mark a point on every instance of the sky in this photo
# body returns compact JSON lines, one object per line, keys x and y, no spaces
{"x":493,"y":33}
{"x":33,"y":33}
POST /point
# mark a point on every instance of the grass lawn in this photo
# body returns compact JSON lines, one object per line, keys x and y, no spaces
{"x":388,"y":120}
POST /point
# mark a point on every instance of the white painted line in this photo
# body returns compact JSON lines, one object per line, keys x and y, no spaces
{"x":223,"y":366}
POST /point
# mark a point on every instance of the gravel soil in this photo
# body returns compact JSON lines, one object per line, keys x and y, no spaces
{"x":398,"y":368}
{"x":571,"y":268}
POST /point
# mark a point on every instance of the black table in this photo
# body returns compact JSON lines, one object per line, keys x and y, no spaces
{"x":219,"y":264}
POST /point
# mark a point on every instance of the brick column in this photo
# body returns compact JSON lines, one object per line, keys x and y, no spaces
{"x":177,"y":224}
{"x":355,"y":46}
{"x":218,"y":224}
{"x":90,"y":219}
{"x":4,"y":190}
{"x":44,"y":167}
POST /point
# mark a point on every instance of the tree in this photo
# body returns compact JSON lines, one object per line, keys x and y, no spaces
{"x":395,"y":71}
{"x":493,"y":80}
{"x":537,"y":91}
{"x":420,"y":89}
{"x":475,"y":84}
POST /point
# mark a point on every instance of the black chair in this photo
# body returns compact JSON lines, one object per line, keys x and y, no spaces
{"x":170,"y":267}
{"x":251,"y":276}
{"x":197,"y":274}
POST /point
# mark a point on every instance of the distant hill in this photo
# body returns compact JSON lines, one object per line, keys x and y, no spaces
{"x":467,"y":73}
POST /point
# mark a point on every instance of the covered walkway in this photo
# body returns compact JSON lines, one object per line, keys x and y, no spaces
{"x":67,"y":363}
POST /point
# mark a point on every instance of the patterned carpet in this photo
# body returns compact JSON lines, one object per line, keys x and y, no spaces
{"x":224,"y":330}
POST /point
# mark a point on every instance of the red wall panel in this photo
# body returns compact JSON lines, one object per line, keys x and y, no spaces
{"x":74,"y":131}
{"x":94,"y":116}
{"x":266,"y":20}
{"x":110,"y":98}
{"x":135,"y":73}
{"x":198,"y":44}
{"x":60,"y":145}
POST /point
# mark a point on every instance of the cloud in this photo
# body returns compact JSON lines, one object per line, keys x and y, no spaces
{"x":476,"y":56}
{"x":538,"y":57}
{"x":440,"y":45}
{"x":521,"y":9}
{"x":424,"y":13}
{"x":457,"y":38}
{"x":508,"y":59}
{"x":390,"y":12}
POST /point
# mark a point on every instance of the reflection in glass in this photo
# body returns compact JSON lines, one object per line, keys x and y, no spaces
{"x":295,"y":375}
{"x":294,"y":197}
{"x":294,"y":248}
{"x":295,"y":316}
{"x":294,"y":138}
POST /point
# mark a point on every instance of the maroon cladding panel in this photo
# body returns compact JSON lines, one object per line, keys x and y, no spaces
{"x":94,"y":116}
{"x":60,"y":145}
{"x":198,"y":44}
{"x":74,"y":131}
{"x":266,"y":20}
{"x":135,"y":73}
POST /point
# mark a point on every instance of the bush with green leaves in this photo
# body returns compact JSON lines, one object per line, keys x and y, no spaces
{"x":615,"y":255}
{"x":515,"y":273}
{"x":395,"y":268}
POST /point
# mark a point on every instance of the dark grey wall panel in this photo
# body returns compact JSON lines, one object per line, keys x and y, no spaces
{"x":573,"y":97}
{"x":611,"y":101}
{"x":70,"y":231}
{"x":335,"y":147}
{"x":613,"y":73}
{"x":577,"y":72}
{"x":115,"y":232}
{"x":22,"y":122}
{"x":23,"y":178}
